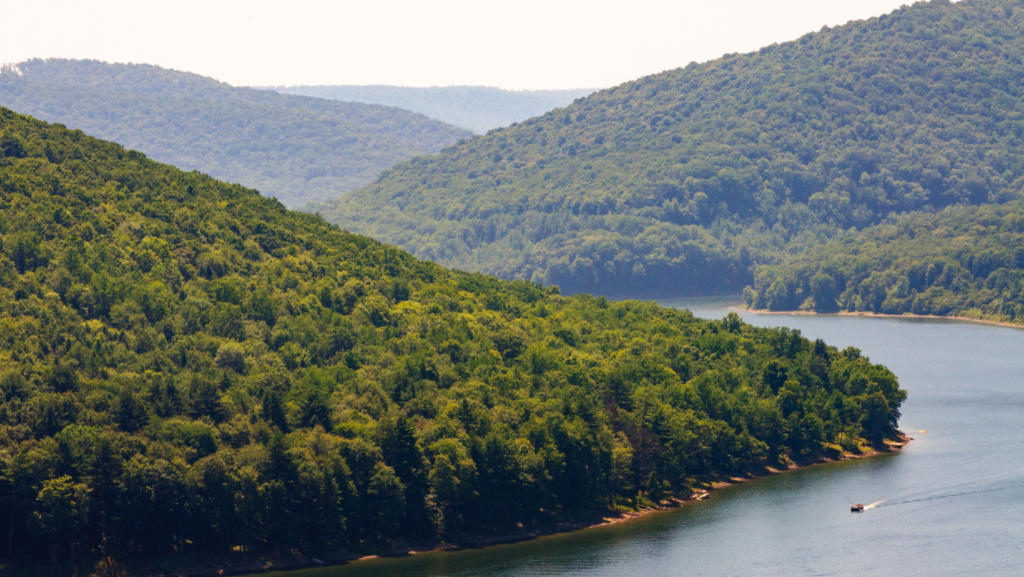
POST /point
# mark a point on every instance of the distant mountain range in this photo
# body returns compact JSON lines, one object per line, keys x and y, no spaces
{"x":684,"y":182}
{"x":477,"y":108}
{"x":296,"y":148}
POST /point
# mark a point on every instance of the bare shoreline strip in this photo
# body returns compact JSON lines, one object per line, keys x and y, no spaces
{"x":882,"y":316}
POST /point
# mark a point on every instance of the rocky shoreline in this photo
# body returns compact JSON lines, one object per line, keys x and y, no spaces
{"x":882,"y":316}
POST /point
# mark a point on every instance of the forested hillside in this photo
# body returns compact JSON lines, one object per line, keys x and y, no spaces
{"x":187,"y":367}
{"x":295,"y":148}
{"x":963,"y":261}
{"x":478,"y":108}
{"x":682,"y":182}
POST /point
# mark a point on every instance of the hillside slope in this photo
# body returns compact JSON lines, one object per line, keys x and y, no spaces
{"x":683,"y":181}
{"x":478,"y":108}
{"x":298,"y":149}
{"x":186,"y":367}
{"x":963,"y":261}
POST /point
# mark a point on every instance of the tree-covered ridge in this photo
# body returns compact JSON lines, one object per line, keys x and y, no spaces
{"x":296,"y":148}
{"x":478,"y":108}
{"x":186,"y":366}
{"x":682,"y":181}
{"x":963,"y":261}
{"x":148,"y":80}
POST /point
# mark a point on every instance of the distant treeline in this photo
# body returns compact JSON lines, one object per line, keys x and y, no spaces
{"x":963,"y":261}
{"x":186,"y":367}
{"x":297,"y":149}
{"x":684,"y":181}
{"x":478,"y":108}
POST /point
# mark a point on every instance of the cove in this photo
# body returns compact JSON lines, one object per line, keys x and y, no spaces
{"x":951,"y":503}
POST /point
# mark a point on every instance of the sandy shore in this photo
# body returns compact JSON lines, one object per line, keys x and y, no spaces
{"x":881,"y":315}
{"x":599,"y":519}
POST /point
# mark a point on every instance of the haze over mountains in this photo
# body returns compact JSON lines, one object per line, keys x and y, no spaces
{"x":477,"y":108}
{"x":295,"y":148}
{"x":682,"y":182}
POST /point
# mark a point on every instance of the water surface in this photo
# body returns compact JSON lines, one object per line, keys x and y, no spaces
{"x":951,"y":503}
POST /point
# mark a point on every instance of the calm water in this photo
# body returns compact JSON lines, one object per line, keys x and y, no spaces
{"x":952,"y":502}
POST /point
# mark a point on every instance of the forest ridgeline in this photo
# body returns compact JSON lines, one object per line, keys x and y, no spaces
{"x":684,"y":182}
{"x":188,"y":367}
{"x":295,"y":148}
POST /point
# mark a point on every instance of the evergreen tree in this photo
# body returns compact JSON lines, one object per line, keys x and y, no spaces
{"x":273,"y":411}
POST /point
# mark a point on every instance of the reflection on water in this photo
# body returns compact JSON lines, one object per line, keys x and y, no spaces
{"x":951,"y":503}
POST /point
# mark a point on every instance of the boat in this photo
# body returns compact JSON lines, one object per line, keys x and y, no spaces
{"x":858,"y":508}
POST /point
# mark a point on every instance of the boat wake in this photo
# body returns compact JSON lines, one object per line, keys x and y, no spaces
{"x":945,"y":496}
{"x":989,"y":484}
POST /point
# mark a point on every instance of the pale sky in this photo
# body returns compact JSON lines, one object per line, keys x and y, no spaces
{"x":521,"y":44}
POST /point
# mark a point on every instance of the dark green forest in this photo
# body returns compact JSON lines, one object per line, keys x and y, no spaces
{"x":477,"y":108}
{"x":963,"y":261}
{"x":683,"y":182}
{"x":188,"y":368}
{"x":297,"y":149}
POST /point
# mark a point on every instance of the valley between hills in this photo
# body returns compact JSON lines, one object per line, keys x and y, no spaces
{"x":251,"y":328}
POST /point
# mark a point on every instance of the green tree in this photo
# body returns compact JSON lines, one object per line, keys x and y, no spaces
{"x":775,"y":375}
{"x":386,"y":494}
{"x":62,"y":513}
{"x":231,"y":356}
{"x":206,"y":400}
{"x":444,"y":491}
{"x":315,"y":410}
{"x":875,"y":411}
{"x":273,"y":411}
{"x":129,"y":412}
{"x":823,"y":291}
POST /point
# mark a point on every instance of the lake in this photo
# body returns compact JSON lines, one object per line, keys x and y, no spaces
{"x":951,"y":503}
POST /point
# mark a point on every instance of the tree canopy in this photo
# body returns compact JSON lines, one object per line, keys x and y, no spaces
{"x":962,"y":261}
{"x":297,"y":149}
{"x":684,"y":181}
{"x":186,"y":366}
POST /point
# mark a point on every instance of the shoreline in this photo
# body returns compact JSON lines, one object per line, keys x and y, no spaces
{"x":881,"y":316}
{"x":702,"y":491}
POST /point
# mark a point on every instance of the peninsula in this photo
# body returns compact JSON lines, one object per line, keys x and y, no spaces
{"x":187,"y":369}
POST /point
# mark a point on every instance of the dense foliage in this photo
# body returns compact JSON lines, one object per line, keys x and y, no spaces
{"x":963,"y":261}
{"x":185,"y":366}
{"x":683,"y":181}
{"x":295,"y":148}
{"x":478,"y":108}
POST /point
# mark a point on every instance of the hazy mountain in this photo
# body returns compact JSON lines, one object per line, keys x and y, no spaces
{"x":295,"y":148}
{"x":478,"y":108}
{"x":682,"y":182}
